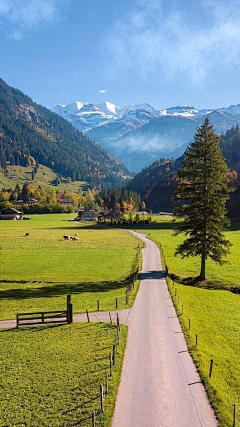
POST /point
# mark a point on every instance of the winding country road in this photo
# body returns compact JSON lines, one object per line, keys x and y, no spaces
{"x":159,"y":386}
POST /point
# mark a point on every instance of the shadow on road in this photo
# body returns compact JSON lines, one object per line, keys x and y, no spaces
{"x":152,"y":275}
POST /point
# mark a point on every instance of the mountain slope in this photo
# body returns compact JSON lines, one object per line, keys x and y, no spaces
{"x":156,"y":183}
{"x":30,"y":133}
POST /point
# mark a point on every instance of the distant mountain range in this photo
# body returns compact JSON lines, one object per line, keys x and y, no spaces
{"x":140,"y":134}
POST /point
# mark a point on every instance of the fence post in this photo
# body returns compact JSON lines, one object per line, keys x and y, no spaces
{"x":126,"y":297}
{"x":189,"y":324}
{"x":110,"y":317}
{"x":110,"y":360}
{"x":42,"y":317}
{"x":114,"y":354}
{"x":101,"y":397}
{"x":116,"y":303}
{"x":68,"y":300}
{"x":98,"y":305}
{"x":93,"y":420}
{"x":210,"y":371}
{"x":17,"y":320}
{"x":118,"y":325}
{"x":234,"y":415}
{"x":87,"y":315}
{"x":196,"y":340}
{"x":106,"y":382}
{"x":70,"y":313}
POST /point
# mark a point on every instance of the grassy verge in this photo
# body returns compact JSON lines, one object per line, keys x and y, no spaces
{"x":214,"y":317}
{"x":38,"y":387}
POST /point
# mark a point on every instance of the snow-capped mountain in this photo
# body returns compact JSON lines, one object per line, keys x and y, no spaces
{"x":139,"y":134}
{"x":183,"y":110}
{"x":85,"y":116}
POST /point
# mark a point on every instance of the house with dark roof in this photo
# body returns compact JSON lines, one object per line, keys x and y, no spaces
{"x":10,"y":213}
{"x":89,"y":215}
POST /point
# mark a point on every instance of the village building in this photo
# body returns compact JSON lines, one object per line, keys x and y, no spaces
{"x":89,"y":215}
{"x":112,"y":214}
{"x":10,"y":213}
{"x":65,"y":202}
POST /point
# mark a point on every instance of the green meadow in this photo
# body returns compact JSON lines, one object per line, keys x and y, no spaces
{"x":39,"y":270}
{"x":50,"y":376}
{"x":218,"y":277}
{"x":213,"y":312}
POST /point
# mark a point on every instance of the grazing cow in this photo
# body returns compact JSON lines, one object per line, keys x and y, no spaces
{"x":27,"y":234}
{"x":66,"y":237}
{"x":74,"y":238}
{"x":76,"y":234}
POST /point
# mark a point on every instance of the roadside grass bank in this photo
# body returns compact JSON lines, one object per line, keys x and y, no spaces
{"x":214,"y":318}
{"x":51,"y":375}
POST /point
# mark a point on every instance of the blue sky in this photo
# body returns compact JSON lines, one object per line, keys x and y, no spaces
{"x":166,"y":53}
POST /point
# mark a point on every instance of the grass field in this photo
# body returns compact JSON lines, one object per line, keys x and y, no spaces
{"x":93,"y":268}
{"x":38,"y":387}
{"x":214,"y":317}
{"x":44,"y":177}
{"x":223,"y":277}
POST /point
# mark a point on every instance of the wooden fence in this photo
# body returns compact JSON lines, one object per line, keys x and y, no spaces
{"x":44,"y":317}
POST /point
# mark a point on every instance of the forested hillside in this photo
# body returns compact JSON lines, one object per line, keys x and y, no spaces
{"x":156,"y":184}
{"x":31,"y":134}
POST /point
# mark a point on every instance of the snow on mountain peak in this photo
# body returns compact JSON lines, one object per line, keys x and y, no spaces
{"x":109,"y":108}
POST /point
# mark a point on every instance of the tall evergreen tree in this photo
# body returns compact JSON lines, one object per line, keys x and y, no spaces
{"x":201,"y":194}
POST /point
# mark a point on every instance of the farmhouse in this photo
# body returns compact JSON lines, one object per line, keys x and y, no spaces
{"x":112,"y":214}
{"x":10,"y":213}
{"x":91,"y":215}
{"x":65,"y":202}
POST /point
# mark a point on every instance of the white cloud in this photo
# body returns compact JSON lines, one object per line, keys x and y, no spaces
{"x":102,"y":91}
{"x":18,"y":16}
{"x":162,"y":40}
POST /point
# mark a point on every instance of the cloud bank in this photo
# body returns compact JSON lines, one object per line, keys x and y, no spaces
{"x":19,"y":16}
{"x":102,"y":91}
{"x":168,"y":40}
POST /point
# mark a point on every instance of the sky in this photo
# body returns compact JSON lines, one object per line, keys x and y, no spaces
{"x":163,"y":52}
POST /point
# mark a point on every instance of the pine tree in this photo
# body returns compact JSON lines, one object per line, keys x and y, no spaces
{"x":202,"y":193}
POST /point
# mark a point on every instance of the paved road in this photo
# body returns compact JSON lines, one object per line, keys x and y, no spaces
{"x":159,"y":386}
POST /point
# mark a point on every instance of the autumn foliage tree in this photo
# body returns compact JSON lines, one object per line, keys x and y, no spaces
{"x":201,"y":195}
